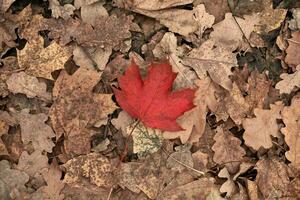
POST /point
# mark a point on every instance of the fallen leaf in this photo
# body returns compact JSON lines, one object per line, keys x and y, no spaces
{"x":289,"y":82}
{"x":54,"y":184}
{"x":181,"y":155}
{"x":184,"y":22}
{"x":227,"y":150}
{"x":122,"y":122}
{"x":5,"y":4}
{"x":33,"y":163}
{"x":294,"y":23}
{"x":229,"y":186}
{"x":92,"y":167}
{"x":73,"y":94}
{"x":216,"y":59}
{"x":217,"y":8}
{"x":126,"y":178}
{"x":258,"y":131}
{"x":290,"y":117}
{"x":9,"y":64}
{"x":167,"y":49}
{"x":151,"y":100}
{"x":57,"y":10}
{"x":152,"y":5}
{"x":12,"y":181}
{"x":28,"y":85}
{"x":41,"y":137}
{"x":270,"y":19}
{"x":145,"y":140}
{"x":272,"y":178}
{"x":233,"y":39}
{"x":293,"y":50}
{"x":93,"y":12}
{"x":41,"y":62}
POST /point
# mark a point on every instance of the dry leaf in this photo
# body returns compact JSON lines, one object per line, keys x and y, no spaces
{"x":122,"y":122}
{"x":28,"y":85}
{"x":182,"y":21}
{"x":293,"y":50}
{"x":72,"y":95}
{"x":5,"y":4}
{"x":12,"y":181}
{"x":216,"y":59}
{"x":145,"y":140}
{"x":42,"y":134}
{"x":33,"y":163}
{"x":92,"y":13}
{"x":229,"y":186}
{"x":272,"y":179}
{"x":233,"y":38}
{"x":57,"y":10}
{"x":258,"y":131}
{"x":183,"y":155}
{"x":227,"y":150}
{"x":291,"y":119}
{"x":9,"y":64}
{"x":289,"y":82}
{"x":294,"y":24}
{"x":41,"y":62}
{"x":217,"y":8}
{"x":125,"y":176}
{"x":92,"y":167}
{"x":167,"y":48}
{"x":151,"y":5}
{"x":54,"y":185}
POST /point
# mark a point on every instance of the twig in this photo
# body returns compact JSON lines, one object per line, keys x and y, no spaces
{"x":110,"y":192}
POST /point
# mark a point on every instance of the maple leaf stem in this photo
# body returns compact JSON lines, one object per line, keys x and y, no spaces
{"x":124,"y":153}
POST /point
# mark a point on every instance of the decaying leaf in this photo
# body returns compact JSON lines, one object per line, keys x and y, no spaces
{"x":227,"y":150}
{"x":12,"y":181}
{"x":92,"y":167}
{"x":182,"y":154}
{"x":145,"y":140}
{"x":33,"y":163}
{"x":182,"y":21}
{"x":73,"y":94}
{"x":289,"y":82}
{"x":42,"y":134}
{"x":291,"y":119}
{"x":272,"y":179}
{"x":167,"y":49}
{"x":293,"y":50}
{"x":233,"y":38}
{"x":54,"y":185}
{"x":41,"y":62}
{"x":258,"y":131}
{"x":216,"y":59}
{"x":229,"y":186}
{"x":28,"y":85}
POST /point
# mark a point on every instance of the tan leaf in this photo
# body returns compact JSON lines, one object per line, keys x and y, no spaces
{"x":57,"y":10}
{"x":33,"y":163}
{"x":5,"y":4}
{"x":293,"y":50}
{"x":182,"y":21}
{"x":229,"y":186}
{"x":42,"y":134}
{"x":217,"y":8}
{"x":94,"y":167}
{"x":227,"y":150}
{"x":291,"y":119}
{"x":28,"y":85}
{"x":152,"y":5}
{"x":233,"y":38}
{"x":93,"y":12}
{"x":289,"y":82}
{"x":73,"y":94}
{"x":216,"y":59}
{"x":9,"y":64}
{"x":294,"y":24}
{"x":194,"y":120}
{"x":12,"y":181}
{"x":125,"y":176}
{"x":272,"y":179}
{"x":41,"y":62}
{"x":258,"y":131}
{"x":181,"y":155}
{"x":122,"y":122}
{"x":54,"y":185}
{"x":167,"y":48}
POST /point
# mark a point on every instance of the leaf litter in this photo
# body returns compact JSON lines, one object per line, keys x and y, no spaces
{"x":210,"y":110}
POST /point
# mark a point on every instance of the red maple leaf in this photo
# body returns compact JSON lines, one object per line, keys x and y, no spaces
{"x":152,"y":100}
